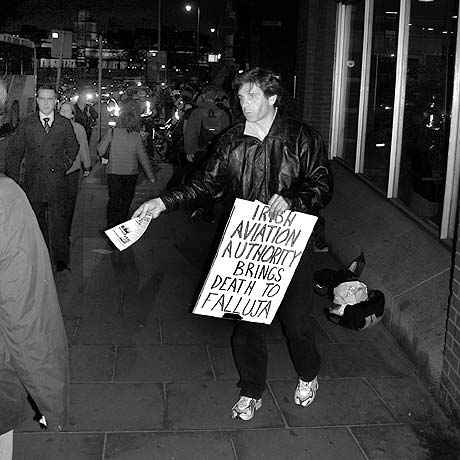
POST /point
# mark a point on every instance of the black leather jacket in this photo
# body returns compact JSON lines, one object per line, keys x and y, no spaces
{"x":290,"y":162}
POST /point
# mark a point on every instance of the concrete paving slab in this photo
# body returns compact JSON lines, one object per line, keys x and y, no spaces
{"x":279,"y":362}
{"x":338,"y":402}
{"x":363,"y":359}
{"x":57,"y":446}
{"x":163,"y":255}
{"x":397,"y":442}
{"x":397,"y":274}
{"x":176,"y":294}
{"x":421,"y":329}
{"x":91,"y":363}
{"x":29,"y":425}
{"x":208,"y":406}
{"x":115,"y":407}
{"x":408,"y":400}
{"x":163,"y":363}
{"x":343,"y":214}
{"x":177,"y":446}
{"x":71,"y":324}
{"x":195,"y":329}
{"x":295,"y":444}
{"x":100,"y":329}
{"x":339,"y":334}
{"x":136,"y":301}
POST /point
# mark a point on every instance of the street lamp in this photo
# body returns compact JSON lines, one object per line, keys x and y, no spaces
{"x":188,"y":8}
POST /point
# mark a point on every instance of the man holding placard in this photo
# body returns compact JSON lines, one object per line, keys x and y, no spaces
{"x":279,"y":162}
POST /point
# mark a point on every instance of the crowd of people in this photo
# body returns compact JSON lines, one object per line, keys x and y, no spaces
{"x":256,"y":153}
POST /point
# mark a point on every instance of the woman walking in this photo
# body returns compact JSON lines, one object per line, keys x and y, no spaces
{"x":125,"y":150}
{"x":82,"y":160}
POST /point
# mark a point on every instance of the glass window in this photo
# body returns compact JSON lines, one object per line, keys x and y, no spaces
{"x":352,"y":85}
{"x":430,"y":75}
{"x":28,"y":61}
{"x":381,"y":92}
{"x":15,"y":59}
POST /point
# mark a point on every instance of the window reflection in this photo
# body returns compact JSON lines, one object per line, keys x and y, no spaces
{"x":353,"y":82}
{"x":429,"y":86}
{"x":381,"y":92}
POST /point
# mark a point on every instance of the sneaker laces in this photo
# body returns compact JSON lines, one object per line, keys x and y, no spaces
{"x":306,"y":388}
{"x":244,"y":403}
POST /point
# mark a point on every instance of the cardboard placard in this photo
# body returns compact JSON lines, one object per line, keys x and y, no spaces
{"x":254,"y":264}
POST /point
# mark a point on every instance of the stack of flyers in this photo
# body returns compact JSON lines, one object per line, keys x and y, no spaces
{"x":125,"y":234}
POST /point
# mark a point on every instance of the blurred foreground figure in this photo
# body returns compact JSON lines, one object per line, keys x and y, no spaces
{"x":33,"y":343}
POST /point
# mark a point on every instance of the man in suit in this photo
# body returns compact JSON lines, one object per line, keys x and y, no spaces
{"x":46,"y":143}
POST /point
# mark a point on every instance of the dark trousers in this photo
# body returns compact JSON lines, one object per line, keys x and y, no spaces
{"x":54,"y":220}
{"x":73,"y":184}
{"x":249,"y":339}
{"x":121,"y":193}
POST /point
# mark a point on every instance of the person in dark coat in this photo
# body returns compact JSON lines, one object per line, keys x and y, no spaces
{"x":33,"y":343}
{"x":282,"y":163}
{"x":85,"y":113}
{"x":47,"y":144}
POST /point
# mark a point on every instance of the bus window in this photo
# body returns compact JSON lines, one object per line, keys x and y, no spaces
{"x":18,"y":70}
{"x":28,"y":61}
{"x":14,"y":58}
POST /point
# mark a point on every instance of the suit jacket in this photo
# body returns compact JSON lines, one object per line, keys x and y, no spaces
{"x":47,"y":156}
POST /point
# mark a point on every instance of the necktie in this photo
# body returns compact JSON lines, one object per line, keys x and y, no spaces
{"x":46,"y":125}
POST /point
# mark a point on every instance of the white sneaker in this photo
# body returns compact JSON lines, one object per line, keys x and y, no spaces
{"x":246,"y":407}
{"x":305,"y":392}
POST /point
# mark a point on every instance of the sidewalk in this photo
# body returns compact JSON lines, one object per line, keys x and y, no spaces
{"x":149,"y":380}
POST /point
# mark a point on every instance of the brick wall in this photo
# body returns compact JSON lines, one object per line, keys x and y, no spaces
{"x":315,"y":62}
{"x":450,"y":376}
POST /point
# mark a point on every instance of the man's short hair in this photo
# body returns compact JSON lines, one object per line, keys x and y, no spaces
{"x":46,"y":87}
{"x":267,"y":80}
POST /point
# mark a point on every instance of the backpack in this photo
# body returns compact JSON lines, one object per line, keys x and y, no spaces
{"x":214,"y":121}
{"x":353,"y":306}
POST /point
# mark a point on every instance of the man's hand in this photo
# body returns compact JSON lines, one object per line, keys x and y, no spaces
{"x":277,"y":206}
{"x":154,"y":207}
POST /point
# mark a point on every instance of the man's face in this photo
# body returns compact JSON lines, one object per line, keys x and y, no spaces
{"x":255,"y":105}
{"x":46,"y":100}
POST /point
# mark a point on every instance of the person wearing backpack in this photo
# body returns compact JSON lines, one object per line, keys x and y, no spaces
{"x":203,"y":126}
{"x":205,"y":122}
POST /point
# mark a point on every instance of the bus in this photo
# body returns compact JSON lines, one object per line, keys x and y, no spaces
{"x":18,"y":70}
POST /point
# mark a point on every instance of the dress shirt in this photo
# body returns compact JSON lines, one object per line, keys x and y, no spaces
{"x":50,"y":118}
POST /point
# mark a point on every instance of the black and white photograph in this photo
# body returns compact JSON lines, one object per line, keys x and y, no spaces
{"x":230,"y":230}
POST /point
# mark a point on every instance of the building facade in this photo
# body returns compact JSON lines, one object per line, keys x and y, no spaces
{"x":381,"y":80}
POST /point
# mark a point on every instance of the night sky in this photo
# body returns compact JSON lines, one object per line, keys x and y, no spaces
{"x":128,"y":14}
